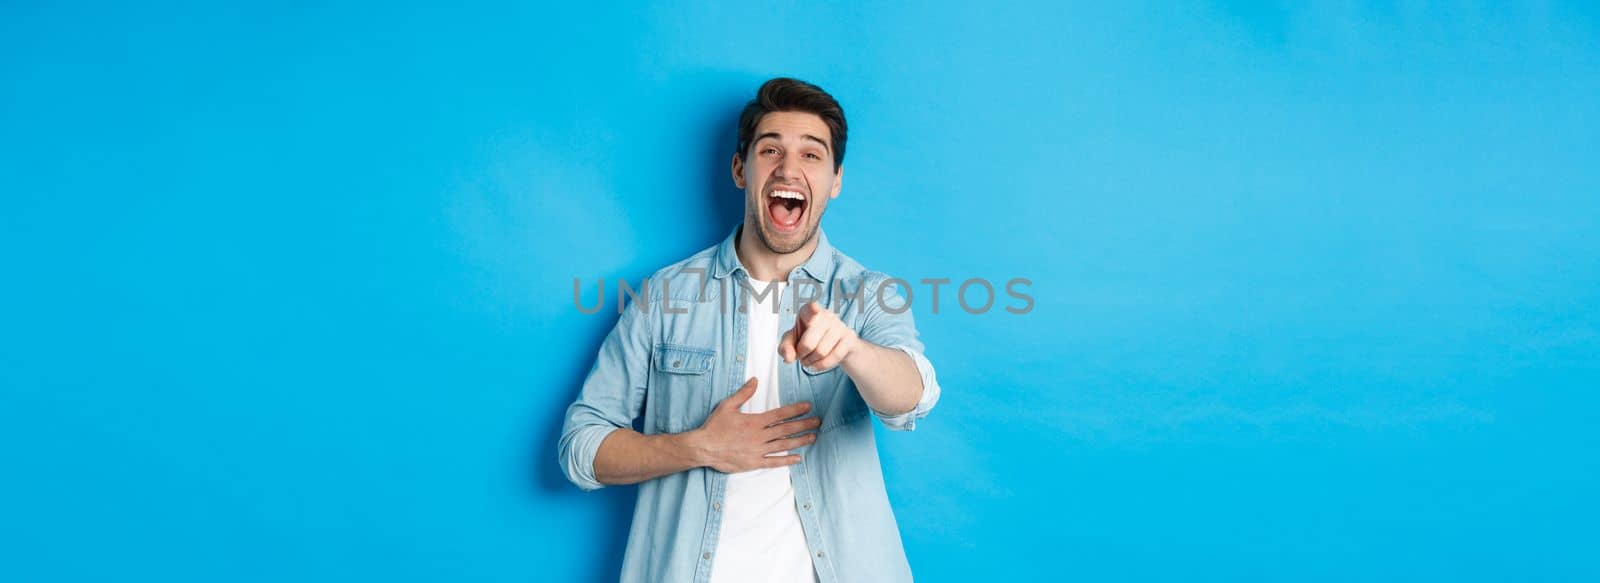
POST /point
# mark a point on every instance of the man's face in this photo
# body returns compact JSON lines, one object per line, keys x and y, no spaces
{"x":788,"y":179}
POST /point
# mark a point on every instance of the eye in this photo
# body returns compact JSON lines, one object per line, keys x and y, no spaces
{"x":768,"y":151}
{"x":813,"y":156}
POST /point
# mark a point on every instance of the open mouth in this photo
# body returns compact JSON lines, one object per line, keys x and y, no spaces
{"x":786,"y":209}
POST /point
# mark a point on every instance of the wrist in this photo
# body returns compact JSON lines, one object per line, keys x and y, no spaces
{"x":690,"y":446}
{"x":857,"y":356}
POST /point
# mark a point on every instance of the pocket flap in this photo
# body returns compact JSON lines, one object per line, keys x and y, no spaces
{"x":683,"y":360}
{"x":810,"y":372}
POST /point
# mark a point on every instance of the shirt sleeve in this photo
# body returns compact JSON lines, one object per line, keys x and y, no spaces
{"x":887,"y":322}
{"x":612,"y":396}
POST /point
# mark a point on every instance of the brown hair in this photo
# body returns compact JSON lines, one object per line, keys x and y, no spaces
{"x":785,"y":94}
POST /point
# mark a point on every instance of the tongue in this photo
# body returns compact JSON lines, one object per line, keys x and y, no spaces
{"x":784,"y":214}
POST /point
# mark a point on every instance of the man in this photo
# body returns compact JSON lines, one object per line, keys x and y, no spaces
{"x":752,"y":368}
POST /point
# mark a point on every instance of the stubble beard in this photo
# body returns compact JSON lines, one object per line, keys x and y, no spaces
{"x":768,"y":239}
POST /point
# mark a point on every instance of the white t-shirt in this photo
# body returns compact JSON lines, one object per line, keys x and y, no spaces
{"x":762,"y":539}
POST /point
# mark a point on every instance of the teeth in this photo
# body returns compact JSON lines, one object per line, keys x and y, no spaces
{"x":788,"y":194}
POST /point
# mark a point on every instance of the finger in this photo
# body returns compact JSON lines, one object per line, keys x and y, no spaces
{"x":797,"y":425}
{"x":792,"y":428}
{"x":787,"y":411}
{"x":778,"y":461}
{"x":738,"y":397}
{"x":830,"y":340}
{"x":825,"y":363}
{"x":808,"y":341}
{"x":786,"y":346}
{"x":808,"y":311}
{"x":791,"y":443}
{"x":847,"y":344}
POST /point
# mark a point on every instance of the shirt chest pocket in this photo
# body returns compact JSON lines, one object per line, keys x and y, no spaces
{"x":836,"y":399}
{"x":681,"y":382}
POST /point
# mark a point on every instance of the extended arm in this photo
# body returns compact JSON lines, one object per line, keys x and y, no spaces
{"x":884,"y":360}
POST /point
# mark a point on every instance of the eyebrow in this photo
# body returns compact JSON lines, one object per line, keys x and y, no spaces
{"x":802,"y":136}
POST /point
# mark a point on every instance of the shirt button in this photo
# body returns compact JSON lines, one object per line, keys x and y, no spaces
{"x":708,"y":556}
{"x":819,"y":554}
{"x":716,"y":506}
{"x":806,"y":506}
{"x":739,"y":358}
{"x":676,"y":363}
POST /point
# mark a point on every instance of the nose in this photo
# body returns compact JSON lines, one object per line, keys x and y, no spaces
{"x":787,"y":167}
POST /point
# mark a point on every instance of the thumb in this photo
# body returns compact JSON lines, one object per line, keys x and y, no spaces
{"x":786,"y":346}
{"x":743,"y":394}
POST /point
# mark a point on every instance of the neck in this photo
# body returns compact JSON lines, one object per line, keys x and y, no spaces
{"x":764,"y":264}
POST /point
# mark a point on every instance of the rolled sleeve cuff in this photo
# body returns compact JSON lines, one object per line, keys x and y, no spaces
{"x":577,"y":455}
{"x":930,"y":395}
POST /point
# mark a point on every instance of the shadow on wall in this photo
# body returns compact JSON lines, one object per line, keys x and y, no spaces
{"x":717,"y":129}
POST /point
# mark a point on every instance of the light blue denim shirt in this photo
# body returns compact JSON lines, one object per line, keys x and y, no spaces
{"x":679,"y":349}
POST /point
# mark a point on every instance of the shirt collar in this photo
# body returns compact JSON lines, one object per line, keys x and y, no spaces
{"x":818,"y":267}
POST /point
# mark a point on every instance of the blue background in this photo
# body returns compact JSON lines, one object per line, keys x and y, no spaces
{"x":288,"y":287}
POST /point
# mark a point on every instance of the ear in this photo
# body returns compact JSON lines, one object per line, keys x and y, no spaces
{"x":838,"y":181}
{"x":738,"y":171}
